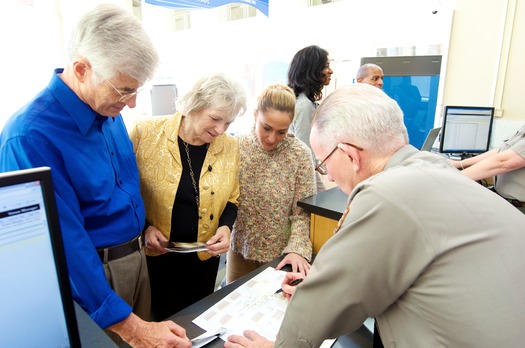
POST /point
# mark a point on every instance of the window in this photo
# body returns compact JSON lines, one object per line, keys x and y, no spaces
{"x":181,"y":20}
{"x":321,"y":2}
{"x":240,"y":11}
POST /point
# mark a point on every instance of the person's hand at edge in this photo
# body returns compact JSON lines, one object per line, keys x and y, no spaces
{"x":219,"y":243}
{"x":152,"y":239}
{"x":298,"y":263}
{"x":142,"y":334}
{"x":251,"y":339}
{"x":288,"y":290}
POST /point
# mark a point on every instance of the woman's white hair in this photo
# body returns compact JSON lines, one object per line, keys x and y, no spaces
{"x":216,"y":90}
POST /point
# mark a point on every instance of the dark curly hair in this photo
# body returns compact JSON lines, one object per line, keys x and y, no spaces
{"x":304,"y":74}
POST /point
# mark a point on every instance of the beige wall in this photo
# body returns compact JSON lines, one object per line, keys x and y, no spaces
{"x":513,"y":99}
{"x":486,"y":60}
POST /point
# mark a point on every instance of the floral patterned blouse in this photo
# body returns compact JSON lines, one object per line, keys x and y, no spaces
{"x":269,"y":222}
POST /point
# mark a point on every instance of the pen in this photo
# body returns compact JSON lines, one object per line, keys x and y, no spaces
{"x":292,"y":283}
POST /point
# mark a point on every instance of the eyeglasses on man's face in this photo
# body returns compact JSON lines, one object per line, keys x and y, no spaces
{"x":123,"y":97}
{"x":321,"y":166}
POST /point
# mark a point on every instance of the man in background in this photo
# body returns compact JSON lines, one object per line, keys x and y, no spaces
{"x":371,"y":74}
{"x":74,"y":126}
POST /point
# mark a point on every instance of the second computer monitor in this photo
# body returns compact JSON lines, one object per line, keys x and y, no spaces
{"x":466,"y":129}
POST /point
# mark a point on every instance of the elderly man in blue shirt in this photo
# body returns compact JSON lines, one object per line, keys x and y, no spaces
{"x":74,"y":126}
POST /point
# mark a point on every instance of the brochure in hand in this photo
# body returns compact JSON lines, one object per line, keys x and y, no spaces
{"x":180,"y":247}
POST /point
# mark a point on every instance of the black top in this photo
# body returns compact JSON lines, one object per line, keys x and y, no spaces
{"x":185,"y":214}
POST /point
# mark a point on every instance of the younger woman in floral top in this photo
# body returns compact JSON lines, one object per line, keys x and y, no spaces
{"x":276,"y":171}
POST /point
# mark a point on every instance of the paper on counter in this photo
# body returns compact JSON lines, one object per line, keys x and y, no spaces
{"x":207,"y":337}
{"x":252,"y":306}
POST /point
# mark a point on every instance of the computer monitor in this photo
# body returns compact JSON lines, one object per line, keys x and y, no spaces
{"x":37,"y":305}
{"x":466,"y":129}
{"x":163,"y":99}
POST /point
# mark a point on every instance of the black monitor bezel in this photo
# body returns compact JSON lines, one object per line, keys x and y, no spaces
{"x":444,"y":130}
{"x":43,"y":175}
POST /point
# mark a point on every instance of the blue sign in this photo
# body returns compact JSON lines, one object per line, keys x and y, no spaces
{"x":261,"y":5}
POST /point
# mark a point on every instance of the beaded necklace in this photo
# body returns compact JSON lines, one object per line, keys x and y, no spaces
{"x":194,"y":183}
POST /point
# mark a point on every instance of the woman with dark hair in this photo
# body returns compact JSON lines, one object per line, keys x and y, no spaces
{"x":309,"y":72}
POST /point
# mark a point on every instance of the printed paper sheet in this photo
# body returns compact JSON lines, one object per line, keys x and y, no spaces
{"x":252,"y":306}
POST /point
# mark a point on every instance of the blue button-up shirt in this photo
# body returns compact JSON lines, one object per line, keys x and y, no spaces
{"x":96,"y":185}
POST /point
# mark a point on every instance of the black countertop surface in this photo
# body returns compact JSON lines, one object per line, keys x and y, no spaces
{"x":330,"y":203}
{"x":91,"y":335}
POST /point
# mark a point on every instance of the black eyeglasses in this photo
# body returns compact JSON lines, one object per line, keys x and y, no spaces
{"x":321,"y":166}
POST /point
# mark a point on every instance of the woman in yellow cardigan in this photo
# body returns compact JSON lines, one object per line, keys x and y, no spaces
{"x":189,"y":170}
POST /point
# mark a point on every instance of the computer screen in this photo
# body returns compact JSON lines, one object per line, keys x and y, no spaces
{"x":466,"y":129}
{"x":37,"y":306}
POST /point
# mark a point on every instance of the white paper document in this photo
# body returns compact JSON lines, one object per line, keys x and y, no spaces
{"x":207,"y":337}
{"x":252,"y":306}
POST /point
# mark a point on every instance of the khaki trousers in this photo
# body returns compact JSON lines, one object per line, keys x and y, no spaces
{"x":237,"y":266}
{"x":128,"y":277}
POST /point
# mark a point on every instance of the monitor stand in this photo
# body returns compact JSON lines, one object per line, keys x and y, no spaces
{"x":461,"y":156}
